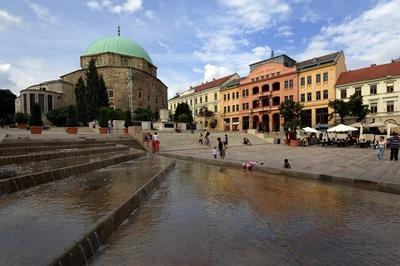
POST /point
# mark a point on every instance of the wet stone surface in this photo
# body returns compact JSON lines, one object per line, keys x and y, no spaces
{"x":209,"y":215}
{"x":38,"y":224}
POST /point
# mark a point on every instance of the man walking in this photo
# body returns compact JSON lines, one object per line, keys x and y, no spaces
{"x":394,"y":147}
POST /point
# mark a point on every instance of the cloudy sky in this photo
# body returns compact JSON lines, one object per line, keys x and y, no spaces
{"x":192,"y":41}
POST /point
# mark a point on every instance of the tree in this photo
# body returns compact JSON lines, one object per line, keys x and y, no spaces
{"x":81,"y":101}
{"x":291,"y":113}
{"x":340,"y":108}
{"x":7,"y":105}
{"x":103,"y":117}
{"x":36,"y":116}
{"x":142,"y":114}
{"x":72,"y":117}
{"x":58,"y":117}
{"x":205,"y":113}
{"x":357,"y":108}
{"x":96,"y":91}
{"x":183,"y":118}
{"x":183,"y":109}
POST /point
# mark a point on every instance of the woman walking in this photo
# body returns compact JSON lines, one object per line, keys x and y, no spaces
{"x":156,"y":143}
{"x":381,"y":146}
{"x":221,"y":148}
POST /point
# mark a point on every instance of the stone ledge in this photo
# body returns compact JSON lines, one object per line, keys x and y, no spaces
{"x":15,"y":184}
{"x":85,"y":248}
{"x":357,"y":182}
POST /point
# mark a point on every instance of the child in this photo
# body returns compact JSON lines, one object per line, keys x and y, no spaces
{"x":214,"y":151}
{"x":249,"y":165}
{"x":286,"y":164}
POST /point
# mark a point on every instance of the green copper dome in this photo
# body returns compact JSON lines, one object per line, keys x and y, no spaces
{"x":118,"y":45}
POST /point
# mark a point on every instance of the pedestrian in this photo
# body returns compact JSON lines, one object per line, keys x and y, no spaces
{"x":156,"y":143}
{"x":250,"y":164}
{"x":394,"y":147}
{"x":109,"y":126}
{"x":192,"y":128}
{"x":207,"y":139}
{"x":381,"y":146}
{"x":214,"y":151}
{"x":226,"y":141}
{"x":286,"y":164}
{"x":221,"y":148}
{"x":201,"y":138}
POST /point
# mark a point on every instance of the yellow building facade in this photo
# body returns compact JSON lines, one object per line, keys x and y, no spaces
{"x":317,"y":78}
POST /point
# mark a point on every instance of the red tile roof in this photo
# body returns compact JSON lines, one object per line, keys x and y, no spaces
{"x":212,"y":84}
{"x":368,"y":73}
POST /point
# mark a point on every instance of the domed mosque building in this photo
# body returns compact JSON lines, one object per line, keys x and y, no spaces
{"x":128,"y":71}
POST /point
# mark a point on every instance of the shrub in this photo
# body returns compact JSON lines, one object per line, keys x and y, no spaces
{"x":21,"y":118}
{"x":72,"y":117}
{"x":117,"y":114}
{"x":104,"y":116}
{"x":128,"y":119}
{"x":58,"y":117}
{"x":183,"y":118}
{"x":36,"y":117}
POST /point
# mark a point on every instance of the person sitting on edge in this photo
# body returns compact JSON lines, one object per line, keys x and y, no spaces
{"x":286,"y":164}
{"x":249,"y":165}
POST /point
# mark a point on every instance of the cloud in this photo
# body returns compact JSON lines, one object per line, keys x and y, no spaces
{"x":372,"y":37}
{"x":310,"y":17}
{"x":7,"y":19}
{"x":43,"y":13}
{"x":150,"y":14}
{"x":128,"y":6}
{"x":213,"y":71}
{"x":5,"y":79}
{"x":284,"y":31}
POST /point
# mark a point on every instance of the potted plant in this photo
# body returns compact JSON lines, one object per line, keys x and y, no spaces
{"x":35,"y":121}
{"x":22,"y":120}
{"x":72,"y":120}
{"x":103,"y":120}
{"x":128,"y":121}
{"x":291,"y":113}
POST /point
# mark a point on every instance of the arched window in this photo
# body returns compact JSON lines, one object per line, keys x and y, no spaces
{"x":256,"y":90}
{"x":265,"y":88}
{"x":276,"y":101}
{"x":276,"y":86}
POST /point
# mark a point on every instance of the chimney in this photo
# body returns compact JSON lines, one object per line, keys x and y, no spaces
{"x":272,"y":54}
{"x":373,"y":65}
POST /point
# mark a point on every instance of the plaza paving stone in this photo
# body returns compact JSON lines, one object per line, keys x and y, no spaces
{"x":349,"y":162}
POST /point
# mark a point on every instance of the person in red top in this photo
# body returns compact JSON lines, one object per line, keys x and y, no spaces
{"x":156,"y":143}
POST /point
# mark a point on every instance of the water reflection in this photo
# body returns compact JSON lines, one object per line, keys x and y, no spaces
{"x":39,"y":223}
{"x":203,"y":215}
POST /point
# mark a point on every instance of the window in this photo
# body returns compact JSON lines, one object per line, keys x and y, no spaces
{"x":237,"y":95}
{"x":389,"y":87}
{"x":224,"y":97}
{"x":358,"y":91}
{"x":318,"y":78}
{"x":215,"y":96}
{"x":195,"y":101}
{"x":291,"y":97}
{"x":302,"y":81}
{"x":318,"y":96}
{"x":191,"y":102}
{"x":201,"y":99}
{"x":233,"y":108}
{"x":326,"y":77}
{"x":215,"y":109}
{"x":110,"y":94}
{"x":291,"y":83}
{"x":374,"y":108}
{"x":25,"y":104}
{"x":343,"y":94}
{"x":286,"y":98}
{"x":233,"y":95}
{"x":205,"y":98}
{"x":372,"y":89}
{"x":247,"y":92}
{"x":302,"y":97}
{"x":244,"y":106}
{"x":228,"y":96}
{"x":243,"y":93}
{"x":41,"y":102}
{"x":49,"y":103}
{"x":390,"y":106}
{"x":31,"y":101}
{"x":286,"y":84}
{"x":309,"y":80}
{"x":247,"y":106}
{"x":325,"y":94}
{"x":224,"y":109}
{"x":306,"y":118}
{"x":309,"y":96}
{"x":229,"y":109}
{"x":322,"y":115}
{"x":237,"y":107}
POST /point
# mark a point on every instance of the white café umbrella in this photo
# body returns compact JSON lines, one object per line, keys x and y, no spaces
{"x":376,"y":124}
{"x":342,"y":128}
{"x":389,"y":127}
{"x":360,"y":126}
{"x":310,"y":130}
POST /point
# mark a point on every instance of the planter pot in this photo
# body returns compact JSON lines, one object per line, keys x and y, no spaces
{"x":36,"y":130}
{"x":22,"y":125}
{"x":72,"y":130}
{"x":103,"y":130}
{"x":125,"y":131}
{"x":294,"y":143}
